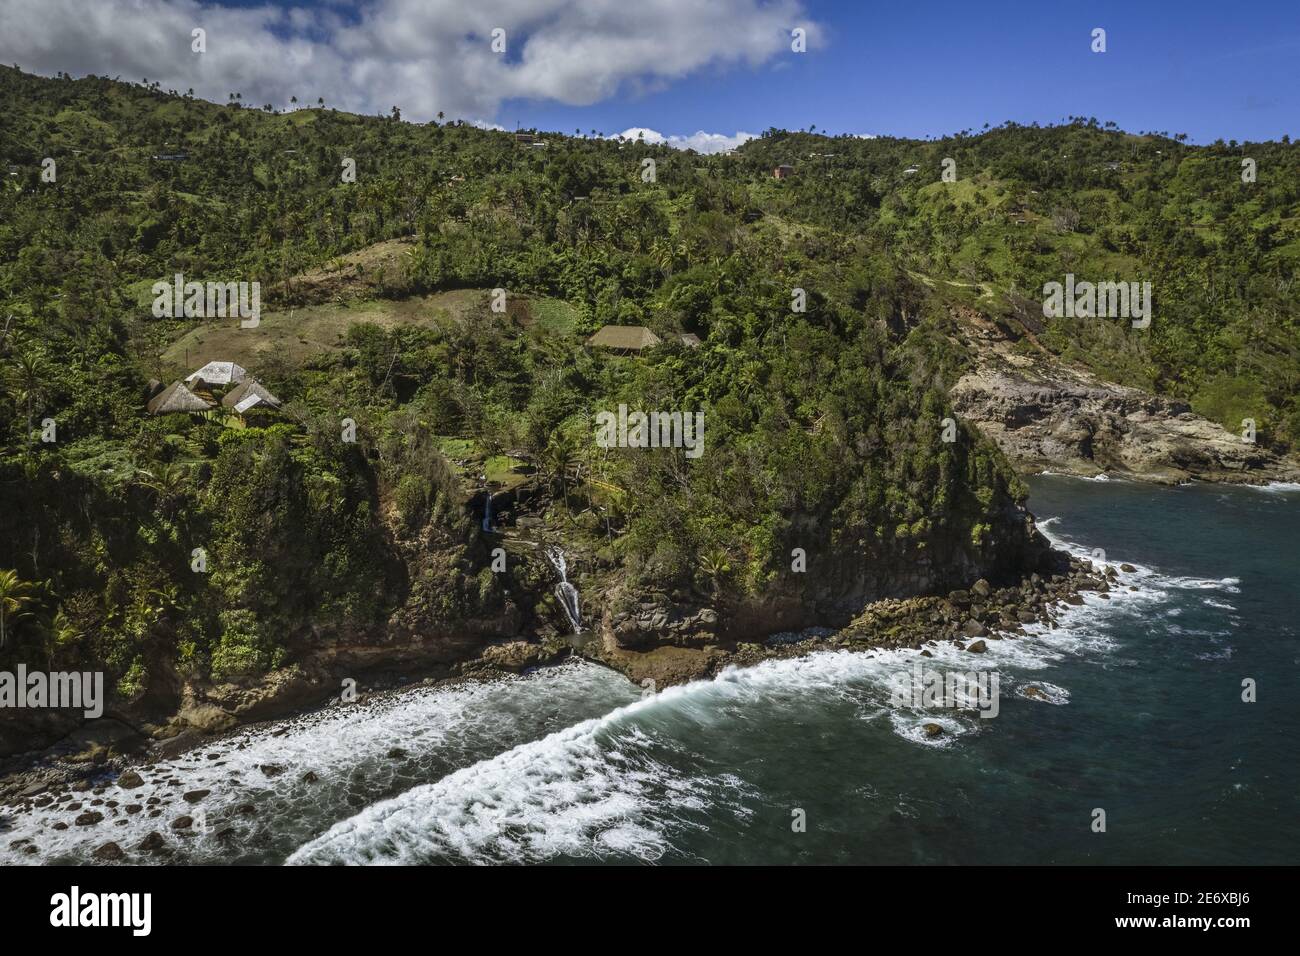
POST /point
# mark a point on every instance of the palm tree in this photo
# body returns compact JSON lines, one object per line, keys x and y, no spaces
{"x":26,"y":382}
{"x":556,"y":458}
{"x":16,"y":600}
{"x":63,"y":633}
{"x":716,"y":564}
{"x":169,"y":483}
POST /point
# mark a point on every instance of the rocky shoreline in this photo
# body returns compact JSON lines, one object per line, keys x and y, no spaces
{"x":967,"y":618}
{"x":1045,"y":415}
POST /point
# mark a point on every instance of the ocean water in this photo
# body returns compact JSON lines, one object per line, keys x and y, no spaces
{"x":1132,"y":705}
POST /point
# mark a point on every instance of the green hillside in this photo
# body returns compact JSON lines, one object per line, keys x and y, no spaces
{"x":822,"y":426}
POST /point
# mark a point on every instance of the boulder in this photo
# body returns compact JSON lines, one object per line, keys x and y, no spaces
{"x":109,"y":851}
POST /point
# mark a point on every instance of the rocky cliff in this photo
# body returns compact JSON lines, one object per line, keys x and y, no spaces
{"x":1046,"y":416}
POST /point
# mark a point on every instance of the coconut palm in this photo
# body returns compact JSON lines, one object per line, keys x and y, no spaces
{"x":17,"y":599}
{"x":63,"y":632}
{"x":169,"y":482}
{"x":26,"y":382}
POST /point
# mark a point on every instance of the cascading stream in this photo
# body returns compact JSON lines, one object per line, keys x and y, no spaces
{"x":565,"y":591}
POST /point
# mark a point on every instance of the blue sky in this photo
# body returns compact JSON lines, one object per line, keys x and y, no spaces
{"x":927,"y":68}
{"x":909,"y":68}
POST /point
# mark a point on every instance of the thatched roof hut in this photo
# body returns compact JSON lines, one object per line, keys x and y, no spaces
{"x":177,"y":398}
{"x":219,"y":373}
{"x":624,"y":338}
{"x":248,"y":394}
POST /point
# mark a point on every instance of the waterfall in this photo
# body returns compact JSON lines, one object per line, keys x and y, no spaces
{"x":487,"y":514}
{"x":565,"y":591}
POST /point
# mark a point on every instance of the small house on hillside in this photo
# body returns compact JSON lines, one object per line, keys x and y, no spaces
{"x":624,"y":338}
{"x":784,"y":171}
{"x":219,"y":373}
{"x":177,"y":398}
{"x":248,"y":395}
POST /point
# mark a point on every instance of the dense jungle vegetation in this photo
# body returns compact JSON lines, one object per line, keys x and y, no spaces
{"x":822,"y":426}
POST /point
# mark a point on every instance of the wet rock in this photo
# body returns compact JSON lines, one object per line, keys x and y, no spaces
{"x":130,"y":780}
{"x":933,"y":730}
{"x":309,"y":777}
{"x":1127,"y":568}
{"x":271,"y":769}
{"x":194,"y":796}
{"x":133,"y":808}
{"x":1036,"y":693}
{"x":974,"y":629}
{"x":59,"y":826}
{"x":981,"y":589}
{"x":153,"y":843}
{"x":182,"y":823}
{"x":109,"y":851}
{"x":247,"y":809}
{"x":89,"y":818}
{"x":977,"y":647}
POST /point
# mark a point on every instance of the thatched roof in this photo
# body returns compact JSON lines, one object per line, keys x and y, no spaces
{"x":633,"y":337}
{"x":219,"y":373}
{"x":249,"y":388}
{"x":177,"y":398}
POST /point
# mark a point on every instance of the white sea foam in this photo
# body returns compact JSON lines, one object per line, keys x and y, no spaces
{"x":1276,"y":487}
{"x":487,"y":787}
{"x":622,"y":785}
{"x":346,"y":747}
{"x":1047,"y":693}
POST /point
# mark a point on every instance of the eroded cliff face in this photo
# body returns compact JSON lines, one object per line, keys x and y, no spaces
{"x":1045,"y":416}
{"x":835,"y":587}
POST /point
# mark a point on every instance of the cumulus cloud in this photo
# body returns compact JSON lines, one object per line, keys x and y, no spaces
{"x":700,"y":141}
{"x":426,"y":56}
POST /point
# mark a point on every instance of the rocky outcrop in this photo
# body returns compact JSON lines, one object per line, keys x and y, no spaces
{"x":1045,"y":416}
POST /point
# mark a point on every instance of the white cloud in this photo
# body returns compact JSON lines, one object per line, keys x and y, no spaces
{"x":700,"y":141}
{"x":425,"y":56}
